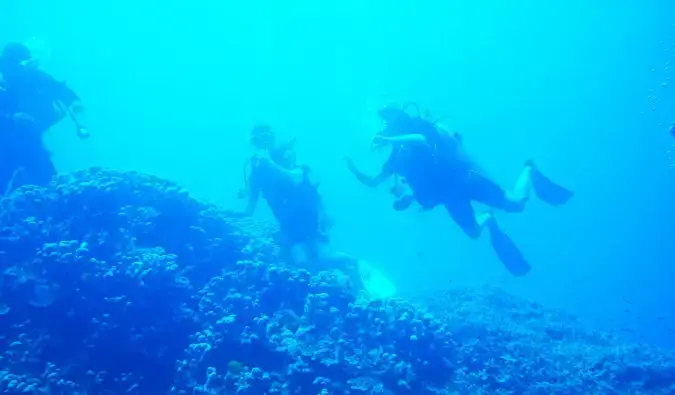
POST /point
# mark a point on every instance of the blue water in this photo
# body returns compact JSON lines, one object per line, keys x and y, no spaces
{"x":173,"y":88}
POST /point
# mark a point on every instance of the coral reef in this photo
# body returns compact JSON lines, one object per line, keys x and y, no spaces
{"x":122,"y":283}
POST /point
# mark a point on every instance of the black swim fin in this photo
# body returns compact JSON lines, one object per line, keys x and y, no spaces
{"x":548,"y":191}
{"x":508,"y":253}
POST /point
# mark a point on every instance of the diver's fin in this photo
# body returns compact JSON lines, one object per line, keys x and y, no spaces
{"x":547,"y":190}
{"x":508,"y":253}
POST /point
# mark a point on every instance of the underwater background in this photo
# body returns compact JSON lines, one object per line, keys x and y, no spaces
{"x":173,"y":89}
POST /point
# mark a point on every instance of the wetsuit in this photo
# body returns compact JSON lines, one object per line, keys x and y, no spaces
{"x":441,"y":172}
{"x":296,"y":206}
{"x":30,"y":94}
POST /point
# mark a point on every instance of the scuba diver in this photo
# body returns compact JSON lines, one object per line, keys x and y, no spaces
{"x":31,"y":102}
{"x":291,"y":192}
{"x":435,"y":169}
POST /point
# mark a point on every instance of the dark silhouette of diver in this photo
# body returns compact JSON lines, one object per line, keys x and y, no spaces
{"x":291,"y":191}
{"x":437,"y":170}
{"x":31,"y":102}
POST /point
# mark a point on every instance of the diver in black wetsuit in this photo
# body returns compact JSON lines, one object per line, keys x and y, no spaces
{"x":291,"y":191}
{"x":438,"y":171}
{"x":31,"y":102}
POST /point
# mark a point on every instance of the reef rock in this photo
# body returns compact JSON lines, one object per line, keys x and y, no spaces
{"x":122,"y":283}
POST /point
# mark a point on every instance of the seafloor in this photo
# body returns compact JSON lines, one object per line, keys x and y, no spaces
{"x":121,"y":283}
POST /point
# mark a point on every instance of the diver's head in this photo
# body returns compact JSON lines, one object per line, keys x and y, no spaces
{"x":263,"y":137}
{"x":393,"y":114}
{"x":15,"y":53}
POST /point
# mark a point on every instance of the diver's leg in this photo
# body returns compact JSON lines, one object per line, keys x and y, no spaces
{"x":331,"y":258}
{"x":35,"y":159}
{"x":463,"y":214}
{"x":484,"y":190}
{"x":506,"y":250}
{"x":42,"y":169}
{"x":16,"y":181}
{"x":521,"y":190}
{"x":7,"y":170}
{"x":299,"y":255}
{"x":9,"y":154}
{"x":345,"y":265}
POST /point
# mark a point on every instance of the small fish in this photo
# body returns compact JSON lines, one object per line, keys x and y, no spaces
{"x":672,"y":130}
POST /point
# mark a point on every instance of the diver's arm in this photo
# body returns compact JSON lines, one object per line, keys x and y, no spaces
{"x":369,"y":181}
{"x":406,"y":139}
{"x":295,"y":175}
{"x":65,"y":100}
{"x":253,"y":194}
{"x":59,"y":89}
{"x":253,"y":197}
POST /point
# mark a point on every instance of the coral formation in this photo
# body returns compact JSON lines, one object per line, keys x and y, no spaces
{"x":122,"y":283}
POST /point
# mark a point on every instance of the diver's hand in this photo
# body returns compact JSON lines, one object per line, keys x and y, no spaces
{"x":349,"y":162}
{"x":379,"y":141}
{"x":60,"y":109}
{"x":262,"y":157}
{"x":82,"y":133}
{"x":398,"y":190}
